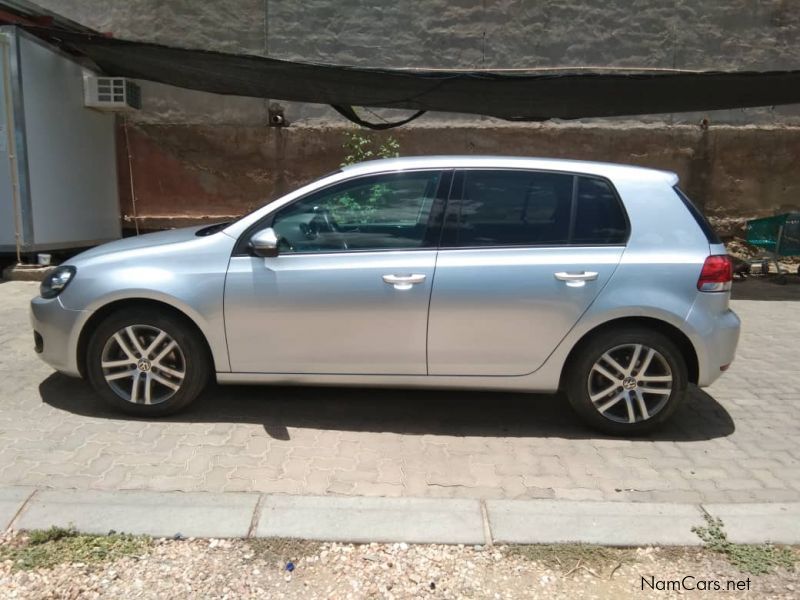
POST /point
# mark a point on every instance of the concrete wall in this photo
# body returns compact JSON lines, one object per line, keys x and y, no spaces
{"x":219,"y":171}
{"x":202,"y":154}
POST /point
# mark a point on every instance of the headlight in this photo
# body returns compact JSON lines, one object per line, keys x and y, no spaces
{"x":56,"y":282}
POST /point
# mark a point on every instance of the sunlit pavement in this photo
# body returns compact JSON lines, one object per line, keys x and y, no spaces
{"x":734,"y":442}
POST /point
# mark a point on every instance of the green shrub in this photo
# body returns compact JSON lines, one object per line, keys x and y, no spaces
{"x":755,"y":559}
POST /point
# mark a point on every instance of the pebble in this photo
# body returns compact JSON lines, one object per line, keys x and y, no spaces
{"x":187,"y":569}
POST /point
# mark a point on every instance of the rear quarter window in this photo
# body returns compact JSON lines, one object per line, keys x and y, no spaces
{"x":708,"y":230}
{"x":599,"y":219}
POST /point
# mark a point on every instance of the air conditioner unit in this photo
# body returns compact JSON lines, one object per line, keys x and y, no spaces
{"x":110,"y":93}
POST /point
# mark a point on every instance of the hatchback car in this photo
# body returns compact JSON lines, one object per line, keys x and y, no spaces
{"x":535,"y":275}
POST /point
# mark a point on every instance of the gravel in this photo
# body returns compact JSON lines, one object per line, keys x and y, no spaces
{"x":202,"y":568}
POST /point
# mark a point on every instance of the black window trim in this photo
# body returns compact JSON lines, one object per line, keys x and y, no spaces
{"x":449,"y":229}
{"x":711,"y":235}
{"x":430,"y":239}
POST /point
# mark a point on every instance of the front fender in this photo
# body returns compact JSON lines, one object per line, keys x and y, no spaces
{"x":212,"y":328}
{"x":189,"y":277}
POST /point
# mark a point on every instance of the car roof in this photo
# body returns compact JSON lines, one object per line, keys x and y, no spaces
{"x":612,"y":171}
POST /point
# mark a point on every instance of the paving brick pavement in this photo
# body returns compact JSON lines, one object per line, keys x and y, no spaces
{"x":735,"y":442}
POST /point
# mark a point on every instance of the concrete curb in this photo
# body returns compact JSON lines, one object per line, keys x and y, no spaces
{"x":12,"y":501}
{"x":26,"y":272}
{"x":194,"y":514}
{"x":369,"y":519}
{"x":360,"y":519}
{"x":756,"y":523}
{"x":615,"y":523}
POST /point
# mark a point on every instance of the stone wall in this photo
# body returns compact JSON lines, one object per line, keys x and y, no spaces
{"x":195,"y":154}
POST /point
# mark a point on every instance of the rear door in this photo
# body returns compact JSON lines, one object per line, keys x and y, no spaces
{"x":523,"y":255}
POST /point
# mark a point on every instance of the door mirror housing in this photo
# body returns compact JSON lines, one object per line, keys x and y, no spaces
{"x":264,"y":243}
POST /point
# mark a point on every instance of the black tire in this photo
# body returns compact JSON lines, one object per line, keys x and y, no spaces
{"x":194,"y":360}
{"x":580,"y":368}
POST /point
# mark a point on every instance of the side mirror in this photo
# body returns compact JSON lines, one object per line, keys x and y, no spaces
{"x":265,"y":243}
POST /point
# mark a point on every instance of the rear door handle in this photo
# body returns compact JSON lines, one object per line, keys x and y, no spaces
{"x":404,"y":282}
{"x":576,"y":279}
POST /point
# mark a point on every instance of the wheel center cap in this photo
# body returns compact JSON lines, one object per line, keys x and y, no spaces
{"x":629,"y":383}
{"x":143,"y":365}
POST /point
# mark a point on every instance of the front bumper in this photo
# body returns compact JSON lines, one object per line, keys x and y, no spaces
{"x":56,"y":332}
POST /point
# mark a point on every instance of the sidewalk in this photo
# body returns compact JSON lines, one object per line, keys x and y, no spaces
{"x":412,"y":520}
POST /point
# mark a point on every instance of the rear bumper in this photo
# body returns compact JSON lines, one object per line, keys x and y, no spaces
{"x":56,"y":331}
{"x":716,"y":347}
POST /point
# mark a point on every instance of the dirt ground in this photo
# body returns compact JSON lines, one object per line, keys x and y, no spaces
{"x":205,"y":568}
{"x":766,"y":288}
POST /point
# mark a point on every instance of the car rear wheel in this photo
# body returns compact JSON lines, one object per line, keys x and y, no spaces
{"x":147,"y":363}
{"x":627,"y":381}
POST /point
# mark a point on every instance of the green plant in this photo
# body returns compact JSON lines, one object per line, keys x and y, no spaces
{"x":43,"y":549}
{"x":359,"y":147}
{"x":42,"y":536}
{"x":755,"y":559}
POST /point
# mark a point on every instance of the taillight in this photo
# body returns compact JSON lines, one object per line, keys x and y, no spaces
{"x":717,"y":274}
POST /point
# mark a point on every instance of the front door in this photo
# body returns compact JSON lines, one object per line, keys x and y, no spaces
{"x":348,"y":292}
{"x":523,"y":256}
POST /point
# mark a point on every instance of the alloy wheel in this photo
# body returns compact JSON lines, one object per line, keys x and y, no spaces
{"x":630,"y":383}
{"x":143,"y":364}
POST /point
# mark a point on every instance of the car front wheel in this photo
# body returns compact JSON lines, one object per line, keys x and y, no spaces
{"x":627,"y":381}
{"x":147,"y":363}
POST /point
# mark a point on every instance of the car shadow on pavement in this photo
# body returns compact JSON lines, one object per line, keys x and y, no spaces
{"x":404,"y":411}
{"x":767,"y":288}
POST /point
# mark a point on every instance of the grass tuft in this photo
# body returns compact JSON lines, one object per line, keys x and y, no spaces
{"x":44,"y":549}
{"x":42,"y":536}
{"x":565,"y":556}
{"x":756,"y":559}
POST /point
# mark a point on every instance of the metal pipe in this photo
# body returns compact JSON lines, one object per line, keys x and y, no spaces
{"x":130,"y":173}
{"x":11,"y":144}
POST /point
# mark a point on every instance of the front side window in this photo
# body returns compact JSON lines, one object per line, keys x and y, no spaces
{"x":381,"y":212}
{"x":513,"y":208}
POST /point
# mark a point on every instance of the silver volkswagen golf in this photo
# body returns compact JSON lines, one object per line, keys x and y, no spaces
{"x":534,"y":275}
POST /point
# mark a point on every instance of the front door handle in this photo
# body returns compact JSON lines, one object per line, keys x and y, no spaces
{"x":404,"y":282}
{"x":576,"y":279}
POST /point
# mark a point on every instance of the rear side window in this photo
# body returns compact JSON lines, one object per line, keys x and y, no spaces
{"x":513,"y":208}
{"x":530,"y":208}
{"x":708,"y":230}
{"x":598,"y":216}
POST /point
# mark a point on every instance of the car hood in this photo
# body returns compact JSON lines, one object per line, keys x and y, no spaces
{"x":148,"y":240}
